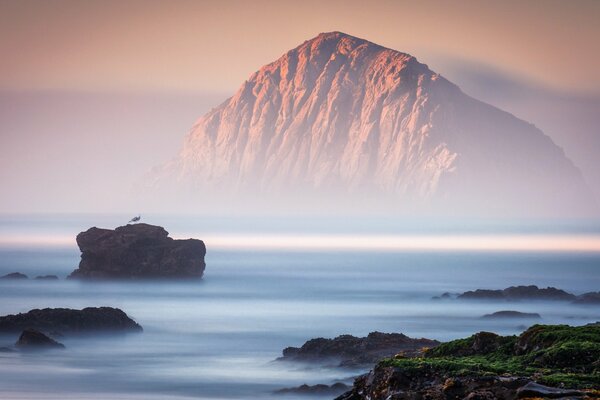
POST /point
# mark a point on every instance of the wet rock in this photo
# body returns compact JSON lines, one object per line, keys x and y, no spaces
{"x":14,"y":275}
{"x":352,"y":351}
{"x":512,"y":314}
{"x":533,"y":389}
{"x":138,"y":251}
{"x":316,"y":390}
{"x":65,"y":320}
{"x":31,"y":339}
{"x":47,"y":277}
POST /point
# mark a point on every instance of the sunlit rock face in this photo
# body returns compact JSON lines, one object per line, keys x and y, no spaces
{"x":341,"y":117}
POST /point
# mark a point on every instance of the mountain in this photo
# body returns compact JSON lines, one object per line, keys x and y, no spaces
{"x":342,"y":121}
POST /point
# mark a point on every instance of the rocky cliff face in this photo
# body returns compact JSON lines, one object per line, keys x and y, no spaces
{"x":136,"y":252}
{"x":345,"y":117}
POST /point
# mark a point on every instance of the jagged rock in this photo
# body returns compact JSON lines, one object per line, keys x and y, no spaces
{"x":314,"y":390}
{"x":136,"y":252}
{"x":31,"y":339}
{"x":533,"y":389}
{"x":65,"y":320}
{"x":512,"y":314}
{"x":47,"y":277}
{"x":14,"y":275}
{"x":530,"y":292}
{"x":351,"y":351}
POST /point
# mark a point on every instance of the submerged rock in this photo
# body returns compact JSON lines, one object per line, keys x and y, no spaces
{"x":352,"y":351}
{"x":136,"y":252}
{"x":533,"y":389}
{"x":14,"y":275}
{"x":512,"y":314}
{"x":65,"y":320}
{"x":31,"y":339}
{"x":316,"y":390}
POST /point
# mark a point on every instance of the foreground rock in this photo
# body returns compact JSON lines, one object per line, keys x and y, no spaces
{"x":316,"y":390}
{"x":352,"y":351}
{"x":139,"y":251}
{"x":545,"y":361}
{"x":531,"y":292}
{"x":31,"y":339}
{"x":65,"y":320}
{"x":14,"y":275}
{"x":512,"y":314}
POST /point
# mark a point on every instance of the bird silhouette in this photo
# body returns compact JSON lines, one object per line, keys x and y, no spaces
{"x":135,"y":219}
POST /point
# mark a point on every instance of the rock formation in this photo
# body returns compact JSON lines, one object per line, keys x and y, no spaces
{"x":31,"y":339}
{"x":352,"y":351}
{"x":65,"y":320}
{"x":512,"y":314}
{"x":14,"y":275}
{"x":344,"y":119}
{"x":138,"y":251}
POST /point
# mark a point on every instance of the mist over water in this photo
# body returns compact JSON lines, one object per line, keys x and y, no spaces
{"x":217,"y":338}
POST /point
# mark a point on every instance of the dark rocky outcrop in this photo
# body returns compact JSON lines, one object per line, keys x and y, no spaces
{"x":487,"y":366}
{"x":530,"y":292}
{"x":47,"y":277}
{"x":65,"y":320}
{"x":31,"y":339}
{"x":316,"y":390}
{"x":589,"y":298}
{"x":352,"y":351}
{"x":14,"y":275}
{"x":138,"y":251}
{"x":512,"y":314}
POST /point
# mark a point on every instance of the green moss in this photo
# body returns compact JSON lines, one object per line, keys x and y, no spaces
{"x":551,"y":354}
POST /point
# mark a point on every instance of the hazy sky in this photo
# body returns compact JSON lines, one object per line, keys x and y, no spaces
{"x":95,"y":93}
{"x":215,"y":45}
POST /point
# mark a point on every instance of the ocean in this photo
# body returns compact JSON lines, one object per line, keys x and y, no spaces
{"x":218,"y":338}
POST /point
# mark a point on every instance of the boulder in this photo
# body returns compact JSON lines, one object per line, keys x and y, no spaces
{"x":138,"y":251}
{"x":65,"y":320}
{"x":31,"y":339}
{"x":512,"y":314}
{"x":352,"y":351}
{"x":14,"y":275}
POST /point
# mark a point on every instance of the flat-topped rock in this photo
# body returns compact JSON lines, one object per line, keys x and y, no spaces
{"x":66,"y":320}
{"x":530,"y":292}
{"x":512,"y":314}
{"x":31,"y":339}
{"x":46,"y":278}
{"x":352,"y":351}
{"x":139,"y":251}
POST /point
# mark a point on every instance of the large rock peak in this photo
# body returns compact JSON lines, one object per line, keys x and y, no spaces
{"x":344,"y":119}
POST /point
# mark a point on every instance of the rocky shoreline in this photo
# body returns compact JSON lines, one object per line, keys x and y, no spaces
{"x":545,"y":361}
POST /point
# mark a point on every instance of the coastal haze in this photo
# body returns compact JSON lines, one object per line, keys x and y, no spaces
{"x":350,"y":167}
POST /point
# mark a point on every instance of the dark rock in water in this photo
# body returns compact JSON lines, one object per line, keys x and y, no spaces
{"x":138,"y":251}
{"x":32,"y":339}
{"x":589,"y":298}
{"x":316,"y":390}
{"x":47,"y":277}
{"x":14,"y":275}
{"x":533,"y":389}
{"x":352,"y":351}
{"x":445,"y":296}
{"x":519,"y":293}
{"x":6,"y":350}
{"x":65,"y":320}
{"x":512,"y":314}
